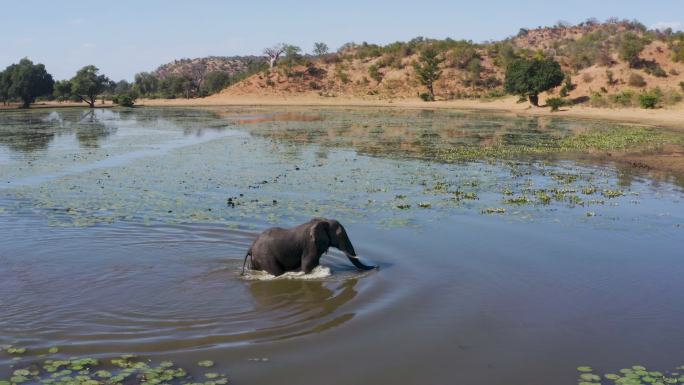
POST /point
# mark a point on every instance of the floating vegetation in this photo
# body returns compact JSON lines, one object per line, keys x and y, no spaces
{"x":589,"y":190}
{"x":636,"y":375}
{"x":521,"y":200}
{"x":456,"y":165}
{"x":612,"y":193}
{"x":492,"y":210}
{"x":13,"y":350}
{"x":126,"y":369}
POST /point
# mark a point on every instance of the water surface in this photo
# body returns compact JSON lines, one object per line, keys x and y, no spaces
{"x":123,"y":231}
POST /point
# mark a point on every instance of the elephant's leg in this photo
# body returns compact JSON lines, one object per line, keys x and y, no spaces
{"x":310,"y":261}
{"x":268,"y":264}
{"x":272,"y":266}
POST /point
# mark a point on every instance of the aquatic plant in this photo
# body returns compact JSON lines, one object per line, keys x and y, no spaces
{"x":635,"y":375}
{"x":126,"y":369}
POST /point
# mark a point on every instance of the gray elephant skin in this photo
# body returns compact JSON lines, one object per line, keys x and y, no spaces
{"x":300,"y":248}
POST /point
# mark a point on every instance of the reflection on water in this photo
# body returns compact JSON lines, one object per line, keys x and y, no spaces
{"x":124,"y":231}
{"x":311,"y":301}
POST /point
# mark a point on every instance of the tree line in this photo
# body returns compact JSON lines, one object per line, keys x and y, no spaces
{"x":25,"y":82}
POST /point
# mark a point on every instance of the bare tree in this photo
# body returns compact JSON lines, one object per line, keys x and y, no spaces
{"x":273,"y":53}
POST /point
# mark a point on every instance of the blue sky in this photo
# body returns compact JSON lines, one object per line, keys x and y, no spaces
{"x":125,"y":37}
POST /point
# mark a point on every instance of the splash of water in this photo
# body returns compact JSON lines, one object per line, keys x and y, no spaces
{"x":319,"y":272}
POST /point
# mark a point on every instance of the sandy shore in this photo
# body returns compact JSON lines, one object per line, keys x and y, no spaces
{"x":671,"y":117}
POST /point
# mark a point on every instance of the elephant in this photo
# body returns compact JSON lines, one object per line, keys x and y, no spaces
{"x":279,"y":250}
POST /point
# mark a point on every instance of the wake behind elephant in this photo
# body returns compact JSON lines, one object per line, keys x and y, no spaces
{"x":300,"y":248}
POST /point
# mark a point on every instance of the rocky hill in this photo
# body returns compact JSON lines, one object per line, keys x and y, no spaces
{"x":199,"y":67}
{"x":589,"y":53}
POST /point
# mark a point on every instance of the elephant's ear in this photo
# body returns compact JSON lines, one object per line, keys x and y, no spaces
{"x":320,"y":237}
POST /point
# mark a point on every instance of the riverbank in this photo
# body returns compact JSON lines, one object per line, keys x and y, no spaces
{"x":670,"y":117}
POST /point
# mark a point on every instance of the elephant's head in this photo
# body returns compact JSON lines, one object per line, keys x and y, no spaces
{"x":330,"y":233}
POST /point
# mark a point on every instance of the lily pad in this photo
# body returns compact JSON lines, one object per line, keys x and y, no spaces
{"x":206,"y":363}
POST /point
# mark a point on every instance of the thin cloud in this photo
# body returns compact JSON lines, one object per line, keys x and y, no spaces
{"x":88,"y":45}
{"x":663,"y":25}
{"x":76,"y":21}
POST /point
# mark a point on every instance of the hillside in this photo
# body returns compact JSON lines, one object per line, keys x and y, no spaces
{"x":589,"y":54}
{"x":198,"y":68}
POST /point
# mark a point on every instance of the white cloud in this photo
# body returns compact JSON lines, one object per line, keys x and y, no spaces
{"x":663,"y":25}
{"x":88,"y":45}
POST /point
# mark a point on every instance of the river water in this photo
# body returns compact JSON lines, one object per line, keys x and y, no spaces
{"x":124,"y":231}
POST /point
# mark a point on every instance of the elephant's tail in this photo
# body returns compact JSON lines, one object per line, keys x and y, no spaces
{"x":249,"y":253}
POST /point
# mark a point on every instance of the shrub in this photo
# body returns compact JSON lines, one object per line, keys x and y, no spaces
{"x":673,"y":72}
{"x":125,"y":100}
{"x":624,"y":98}
{"x":655,"y":69}
{"x":671,"y":97}
{"x":426,"y":97}
{"x":636,"y":80}
{"x":597,"y":100}
{"x":681,"y":85}
{"x":314,"y":86}
{"x":649,"y":100}
{"x":491,"y":82}
{"x":555,"y":103}
{"x":611,"y":78}
{"x":630,"y":47}
{"x":270,"y":83}
{"x":374,"y":73}
{"x":567,"y":86}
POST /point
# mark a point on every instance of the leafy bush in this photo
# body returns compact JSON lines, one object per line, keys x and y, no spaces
{"x":588,"y":50}
{"x":681,"y":85}
{"x":650,"y":99}
{"x":374,"y":73}
{"x":653,"y":68}
{"x":461,"y":55}
{"x":629,"y":48}
{"x":555,"y":103}
{"x":125,"y":100}
{"x":491,"y":82}
{"x":624,"y":98}
{"x":567,"y":86}
{"x":597,"y":100}
{"x":636,"y":80}
{"x":426,"y":97}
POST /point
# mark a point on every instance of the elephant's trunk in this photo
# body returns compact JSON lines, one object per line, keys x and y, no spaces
{"x":357,"y":262}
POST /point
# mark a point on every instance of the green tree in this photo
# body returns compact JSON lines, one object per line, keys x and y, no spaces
{"x":88,"y":84}
{"x":528,"y":78}
{"x":4,"y":86}
{"x":293,"y":55}
{"x":215,"y":82}
{"x":122,"y":87}
{"x":174,"y":86}
{"x":630,"y":48}
{"x":62,"y":90}
{"x":26,"y":81}
{"x":474,"y":71}
{"x":146,"y":83}
{"x":427,"y":70}
{"x":320,"y":49}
